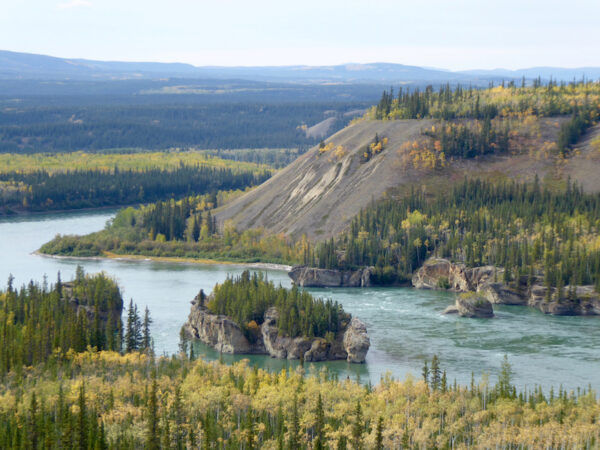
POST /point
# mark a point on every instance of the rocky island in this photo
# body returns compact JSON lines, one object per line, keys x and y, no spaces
{"x":249,"y":315}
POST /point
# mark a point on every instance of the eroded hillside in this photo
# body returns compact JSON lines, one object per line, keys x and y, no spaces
{"x":319,"y":193}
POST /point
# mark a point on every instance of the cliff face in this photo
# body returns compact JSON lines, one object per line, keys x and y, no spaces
{"x":439,"y":273}
{"x":224,"y":335}
{"x":313,"y":277}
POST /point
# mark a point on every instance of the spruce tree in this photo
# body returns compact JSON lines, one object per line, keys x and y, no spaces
{"x":130,"y":340}
{"x":33,"y":428}
{"x":294,"y":439}
{"x":436,"y":374}
{"x":137,"y":328}
{"x":504,"y":379}
{"x":152,"y":430}
{"x":425,"y":372}
{"x":342,"y":443}
{"x":196,"y":229}
{"x":379,"y":434}
{"x":319,"y":424}
{"x":358,"y":428}
{"x":146,"y":337}
{"x":82,"y":419}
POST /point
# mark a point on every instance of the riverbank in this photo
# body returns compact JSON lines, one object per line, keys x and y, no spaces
{"x":405,"y":325}
{"x":170,"y":260}
{"x":26,"y":213}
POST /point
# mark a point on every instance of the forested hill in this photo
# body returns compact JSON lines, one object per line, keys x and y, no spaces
{"x":522,"y":134}
{"x":76,"y":181}
{"x":430,"y":139}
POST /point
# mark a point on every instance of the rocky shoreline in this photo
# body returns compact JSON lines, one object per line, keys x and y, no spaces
{"x":224,"y":335}
{"x":438,"y":273}
{"x":305,"y":276}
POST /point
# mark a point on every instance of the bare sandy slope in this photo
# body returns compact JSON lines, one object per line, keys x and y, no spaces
{"x":321,"y":129}
{"x":318,"y":194}
{"x":584,"y":166}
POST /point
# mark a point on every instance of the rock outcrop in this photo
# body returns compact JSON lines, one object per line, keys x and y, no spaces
{"x":220,"y":332}
{"x":585,"y":302}
{"x":356,"y":341}
{"x":501,"y":294}
{"x":224,"y":335}
{"x":306,"y":276}
{"x":473,"y":305}
{"x":438,"y":273}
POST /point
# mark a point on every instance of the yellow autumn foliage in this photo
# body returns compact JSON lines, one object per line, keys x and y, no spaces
{"x":118,"y":384}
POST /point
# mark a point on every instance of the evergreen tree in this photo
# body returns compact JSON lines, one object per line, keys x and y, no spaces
{"x":358,"y":428}
{"x":379,"y":434}
{"x":294,"y":438}
{"x":504,"y":380}
{"x":152,"y":430}
{"x":425,"y":372}
{"x":131,"y":342}
{"x":82,"y":419}
{"x":319,"y":424}
{"x":146,"y":337}
{"x":436,"y":373}
{"x":342,"y":443}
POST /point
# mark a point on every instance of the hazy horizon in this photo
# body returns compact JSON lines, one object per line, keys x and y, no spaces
{"x":464,"y":35}
{"x":346,"y":63}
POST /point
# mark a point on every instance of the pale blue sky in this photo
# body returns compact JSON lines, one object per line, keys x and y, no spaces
{"x":452,"y":34}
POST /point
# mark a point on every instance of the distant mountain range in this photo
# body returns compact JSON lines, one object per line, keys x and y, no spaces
{"x":29,"y":66}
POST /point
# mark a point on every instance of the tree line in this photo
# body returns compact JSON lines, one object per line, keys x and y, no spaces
{"x":102,"y":400}
{"x":455,"y":102}
{"x":41,"y":323}
{"x":524,"y":228}
{"x":183,"y":228}
{"x":40,"y":126}
{"x":44,"y":191}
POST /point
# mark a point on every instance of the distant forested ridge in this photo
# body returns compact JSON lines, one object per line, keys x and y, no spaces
{"x":65,"y":116}
{"x":75,"y":189}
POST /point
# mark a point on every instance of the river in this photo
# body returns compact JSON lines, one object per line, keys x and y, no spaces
{"x":405,"y":325}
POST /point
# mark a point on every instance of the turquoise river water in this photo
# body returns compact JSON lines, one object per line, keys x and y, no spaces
{"x":405,"y":325}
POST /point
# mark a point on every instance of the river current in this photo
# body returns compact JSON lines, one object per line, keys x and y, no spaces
{"x":404,"y":324}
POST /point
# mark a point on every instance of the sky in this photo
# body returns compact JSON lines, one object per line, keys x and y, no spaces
{"x":450,"y":34}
